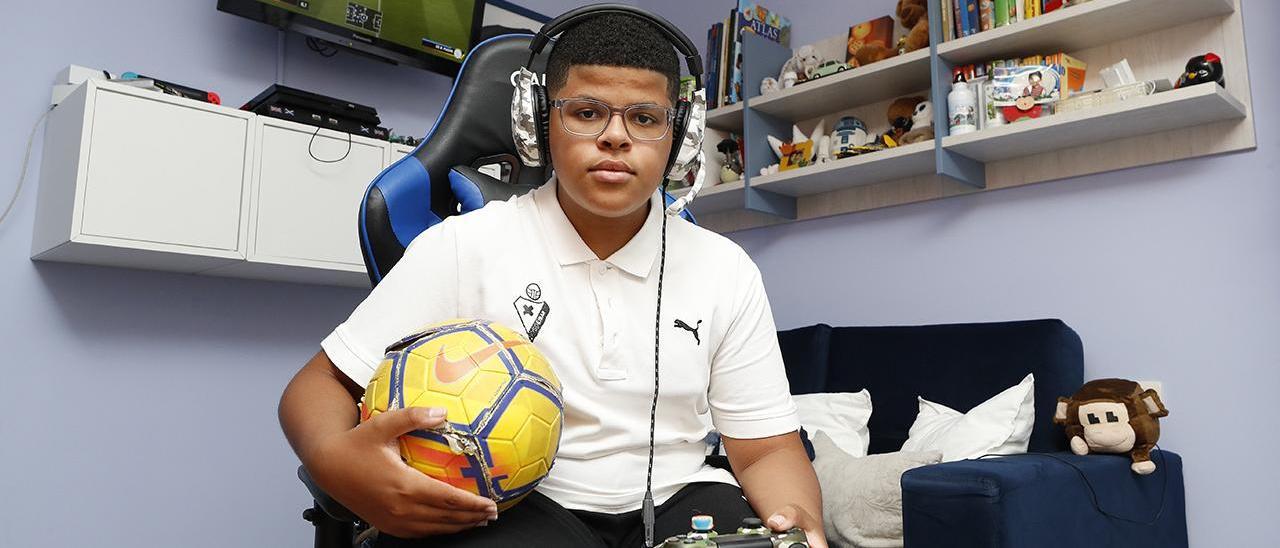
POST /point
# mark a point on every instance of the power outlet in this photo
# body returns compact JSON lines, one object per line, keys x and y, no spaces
{"x":1157,"y":386}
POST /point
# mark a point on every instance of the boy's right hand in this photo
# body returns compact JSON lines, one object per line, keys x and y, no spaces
{"x":362,"y":469}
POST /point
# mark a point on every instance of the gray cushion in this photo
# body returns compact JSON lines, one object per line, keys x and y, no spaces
{"x":862,"y":496}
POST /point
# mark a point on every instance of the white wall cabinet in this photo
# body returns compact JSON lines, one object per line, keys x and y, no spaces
{"x":137,"y":179}
{"x":303,"y":207}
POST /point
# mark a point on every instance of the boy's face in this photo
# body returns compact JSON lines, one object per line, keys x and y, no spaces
{"x":611,"y":175}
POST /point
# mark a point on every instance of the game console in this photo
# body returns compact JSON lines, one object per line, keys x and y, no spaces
{"x":751,"y":534}
{"x":313,"y":109}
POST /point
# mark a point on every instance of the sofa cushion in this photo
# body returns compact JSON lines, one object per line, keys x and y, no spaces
{"x":842,"y":416}
{"x":998,"y":426}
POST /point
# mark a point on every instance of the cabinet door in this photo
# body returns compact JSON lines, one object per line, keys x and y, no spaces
{"x":398,"y":152}
{"x":163,"y":172}
{"x":308,"y":193}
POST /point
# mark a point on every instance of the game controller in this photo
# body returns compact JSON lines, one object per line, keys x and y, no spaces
{"x":751,"y":534}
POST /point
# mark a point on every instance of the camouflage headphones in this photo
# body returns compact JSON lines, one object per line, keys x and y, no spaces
{"x":530,"y":106}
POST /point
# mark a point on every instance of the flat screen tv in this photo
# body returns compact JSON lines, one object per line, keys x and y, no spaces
{"x":431,"y":34}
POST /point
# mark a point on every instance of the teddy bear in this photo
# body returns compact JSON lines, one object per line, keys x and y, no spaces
{"x":900,"y":115}
{"x":914,"y":16}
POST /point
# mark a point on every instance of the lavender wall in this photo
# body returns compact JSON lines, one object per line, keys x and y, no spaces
{"x":1168,"y":272}
{"x":138,"y":408}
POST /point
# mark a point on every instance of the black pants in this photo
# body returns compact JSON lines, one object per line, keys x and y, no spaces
{"x":539,"y":522}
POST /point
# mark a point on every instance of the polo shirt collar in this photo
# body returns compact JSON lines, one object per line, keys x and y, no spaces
{"x":636,"y":257}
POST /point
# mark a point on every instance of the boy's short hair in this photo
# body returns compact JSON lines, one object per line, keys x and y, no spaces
{"x":616,"y":40}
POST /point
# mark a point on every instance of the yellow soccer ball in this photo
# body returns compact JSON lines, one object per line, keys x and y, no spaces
{"x":503,"y":400}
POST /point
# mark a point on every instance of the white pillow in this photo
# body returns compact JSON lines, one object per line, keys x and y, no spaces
{"x":998,"y":426}
{"x":842,"y":416}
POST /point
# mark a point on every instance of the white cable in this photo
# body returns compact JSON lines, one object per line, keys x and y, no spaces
{"x":25,"y":159}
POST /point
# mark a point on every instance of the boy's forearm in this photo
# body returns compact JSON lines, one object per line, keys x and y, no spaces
{"x":315,"y":404}
{"x":777,"y":475}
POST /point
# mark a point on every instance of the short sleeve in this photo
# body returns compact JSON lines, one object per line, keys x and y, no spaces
{"x":421,"y":289}
{"x":748,"y":393}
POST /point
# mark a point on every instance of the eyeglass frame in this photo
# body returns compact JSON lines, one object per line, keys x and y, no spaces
{"x":558,"y":103}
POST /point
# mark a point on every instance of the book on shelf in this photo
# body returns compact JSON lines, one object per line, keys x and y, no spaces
{"x":1001,"y":14}
{"x":948,"y":29}
{"x":755,"y":18}
{"x":957,"y":19}
{"x":970,"y":14}
{"x":962,"y":18}
{"x":726,"y":50}
{"x":709,"y":67}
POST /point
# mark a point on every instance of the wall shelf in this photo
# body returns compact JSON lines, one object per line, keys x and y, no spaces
{"x":1080,"y":27}
{"x":716,"y":198}
{"x":892,"y":77}
{"x":1179,"y":108}
{"x":1156,"y":36}
{"x":885,"y":165}
{"x":726,"y":118}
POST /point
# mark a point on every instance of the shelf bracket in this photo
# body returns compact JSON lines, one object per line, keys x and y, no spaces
{"x":772,"y":203}
{"x":947,"y":163}
{"x":766,"y":58}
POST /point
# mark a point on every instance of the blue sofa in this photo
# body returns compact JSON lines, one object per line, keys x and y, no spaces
{"x":1048,"y":500}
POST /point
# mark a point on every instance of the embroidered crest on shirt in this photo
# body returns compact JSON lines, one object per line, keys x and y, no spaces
{"x":692,"y":330}
{"x":531,"y":310}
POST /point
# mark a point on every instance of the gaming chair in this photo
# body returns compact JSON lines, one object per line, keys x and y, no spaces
{"x":440,"y":177}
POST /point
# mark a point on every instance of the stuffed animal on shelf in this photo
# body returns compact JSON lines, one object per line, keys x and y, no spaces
{"x":900,"y":114}
{"x":1113,"y":416}
{"x":804,"y":62}
{"x":921,"y":124}
{"x":914,"y":16}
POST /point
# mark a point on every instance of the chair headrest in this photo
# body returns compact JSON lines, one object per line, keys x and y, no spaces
{"x":474,"y":128}
{"x":475,"y":122}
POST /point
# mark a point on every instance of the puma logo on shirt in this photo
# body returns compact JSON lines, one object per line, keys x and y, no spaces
{"x":693,"y":330}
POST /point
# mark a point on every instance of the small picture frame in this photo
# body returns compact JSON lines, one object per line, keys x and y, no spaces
{"x":796,"y":155}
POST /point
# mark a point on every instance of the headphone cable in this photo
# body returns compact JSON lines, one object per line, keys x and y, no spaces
{"x":648,"y":510}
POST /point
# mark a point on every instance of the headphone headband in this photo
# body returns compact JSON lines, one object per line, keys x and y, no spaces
{"x":570,"y":18}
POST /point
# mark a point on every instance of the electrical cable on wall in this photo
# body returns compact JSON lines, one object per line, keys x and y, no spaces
{"x":22,"y":176}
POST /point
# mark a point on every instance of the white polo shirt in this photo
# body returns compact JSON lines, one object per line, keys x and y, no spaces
{"x":521,"y":263}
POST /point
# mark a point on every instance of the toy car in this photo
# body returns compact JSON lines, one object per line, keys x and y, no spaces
{"x":827,"y":69}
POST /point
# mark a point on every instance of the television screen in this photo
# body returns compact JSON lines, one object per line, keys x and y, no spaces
{"x":431,"y":34}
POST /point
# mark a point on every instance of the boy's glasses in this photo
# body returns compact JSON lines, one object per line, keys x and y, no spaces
{"x":589,"y":118}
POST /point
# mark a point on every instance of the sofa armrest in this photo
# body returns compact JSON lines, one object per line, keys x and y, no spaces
{"x":1046,"y":501}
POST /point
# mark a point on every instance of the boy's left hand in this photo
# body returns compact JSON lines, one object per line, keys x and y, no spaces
{"x":794,"y":516}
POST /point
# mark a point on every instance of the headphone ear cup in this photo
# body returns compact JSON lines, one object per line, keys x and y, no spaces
{"x":678,"y":126}
{"x":541,"y":117}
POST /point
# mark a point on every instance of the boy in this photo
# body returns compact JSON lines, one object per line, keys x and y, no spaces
{"x":587,"y":245}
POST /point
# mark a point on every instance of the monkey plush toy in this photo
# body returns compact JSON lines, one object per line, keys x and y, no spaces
{"x":1113,"y":416}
